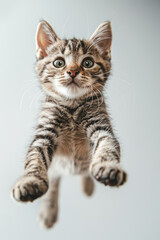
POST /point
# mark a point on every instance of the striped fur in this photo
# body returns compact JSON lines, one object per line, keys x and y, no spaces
{"x":74,"y":134}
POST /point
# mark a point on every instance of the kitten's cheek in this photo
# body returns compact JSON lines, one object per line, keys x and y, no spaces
{"x":55,"y":85}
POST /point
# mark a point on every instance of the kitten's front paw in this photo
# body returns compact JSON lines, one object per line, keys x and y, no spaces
{"x":108,"y":173}
{"x":29,"y":187}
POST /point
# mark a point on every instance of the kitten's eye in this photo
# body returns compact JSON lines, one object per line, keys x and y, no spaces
{"x":58,"y":63}
{"x":87,"y":63}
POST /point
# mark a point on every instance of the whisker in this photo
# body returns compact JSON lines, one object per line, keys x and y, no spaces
{"x":102,"y":74}
{"x":34,"y":99}
{"x":100,"y":94}
{"x":23,"y":95}
{"x":122,"y":79}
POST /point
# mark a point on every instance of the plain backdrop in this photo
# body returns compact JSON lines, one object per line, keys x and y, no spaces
{"x":133,"y":96}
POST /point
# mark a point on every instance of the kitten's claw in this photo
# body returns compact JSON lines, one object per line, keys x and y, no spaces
{"x":28,"y":188}
{"x":109,"y":173}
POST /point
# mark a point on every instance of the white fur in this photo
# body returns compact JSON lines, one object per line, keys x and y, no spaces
{"x":62,"y":165}
{"x":70,"y":92}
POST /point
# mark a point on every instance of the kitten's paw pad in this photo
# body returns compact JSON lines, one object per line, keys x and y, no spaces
{"x":109,"y":174}
{"x":48,"y":219}
{"x":28,"y":188}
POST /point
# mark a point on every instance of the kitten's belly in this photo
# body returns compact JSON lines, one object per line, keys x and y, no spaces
{"x":64,"y":165}
{"x":71,"y":157}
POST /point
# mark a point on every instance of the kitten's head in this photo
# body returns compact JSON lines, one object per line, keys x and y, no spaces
{"x":73,"y":68}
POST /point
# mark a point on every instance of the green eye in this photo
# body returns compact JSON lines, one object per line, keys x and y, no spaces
{"x":87,"y":63}
{"x":58,"y":63}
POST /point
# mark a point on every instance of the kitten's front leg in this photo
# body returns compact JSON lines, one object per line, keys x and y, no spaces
{"x":105,"y":166}
{"x":34,"y":182}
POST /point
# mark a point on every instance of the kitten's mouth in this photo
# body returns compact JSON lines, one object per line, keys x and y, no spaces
{"x":72,"y":83}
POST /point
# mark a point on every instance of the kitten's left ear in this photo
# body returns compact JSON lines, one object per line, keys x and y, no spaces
{"x":45,"y":36}
{"x":102,"y":39}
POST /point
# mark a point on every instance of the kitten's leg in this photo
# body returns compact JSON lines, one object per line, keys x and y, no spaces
{"x":34,"y":182}
{"x":87,"y":185}
{"x":49,"y":207}
{"x":105,"y":166}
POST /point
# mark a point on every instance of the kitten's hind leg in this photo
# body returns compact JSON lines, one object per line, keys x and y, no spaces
{"x":49,"y":206}
{"x":87,"y":185}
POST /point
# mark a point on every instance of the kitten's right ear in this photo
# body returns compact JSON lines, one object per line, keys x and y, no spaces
{"x":45,"y":36}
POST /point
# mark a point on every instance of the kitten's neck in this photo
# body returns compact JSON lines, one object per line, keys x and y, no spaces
{"x":61,"y":100}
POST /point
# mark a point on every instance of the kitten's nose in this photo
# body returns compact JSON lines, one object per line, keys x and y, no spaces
{"x":73,"y":73}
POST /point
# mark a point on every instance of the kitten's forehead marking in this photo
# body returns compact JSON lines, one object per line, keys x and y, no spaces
{"x":74,"y":46}
{"x":72,"y":49}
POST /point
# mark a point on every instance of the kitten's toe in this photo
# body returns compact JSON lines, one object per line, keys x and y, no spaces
{"x":109,"y":173}
{"x":28,"y":188}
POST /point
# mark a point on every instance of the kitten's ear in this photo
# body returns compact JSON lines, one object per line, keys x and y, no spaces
{"x":45,"y":36}
{"x":102,"y":39}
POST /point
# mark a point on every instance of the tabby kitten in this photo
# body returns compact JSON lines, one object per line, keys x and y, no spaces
{"x":74,"y":133}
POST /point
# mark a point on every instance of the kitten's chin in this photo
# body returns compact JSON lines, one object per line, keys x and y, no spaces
{"x":71,"y":91}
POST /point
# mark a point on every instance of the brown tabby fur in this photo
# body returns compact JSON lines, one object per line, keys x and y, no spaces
{"x":74,"y":133}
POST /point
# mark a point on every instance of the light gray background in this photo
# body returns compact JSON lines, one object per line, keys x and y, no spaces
{"x":133,"y":95}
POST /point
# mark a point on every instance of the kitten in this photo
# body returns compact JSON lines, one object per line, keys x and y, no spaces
{"x":74,"y":134}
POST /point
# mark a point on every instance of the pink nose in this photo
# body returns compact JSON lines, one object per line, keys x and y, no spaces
{"x":73,"y":73}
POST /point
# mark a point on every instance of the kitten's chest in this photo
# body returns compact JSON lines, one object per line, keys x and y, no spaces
{"x":73,"y":151}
